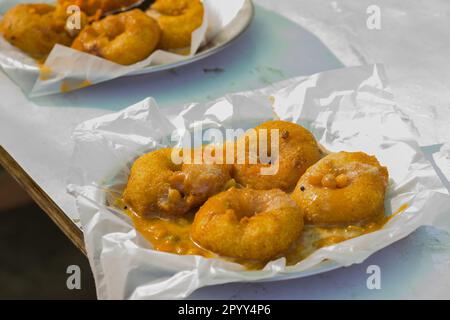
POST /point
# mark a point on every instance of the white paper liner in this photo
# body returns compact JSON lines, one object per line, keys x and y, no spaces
{"x":346,"y":109}
{"x":72,"y":69}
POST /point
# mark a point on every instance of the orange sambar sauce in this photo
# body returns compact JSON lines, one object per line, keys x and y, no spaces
{"x":169,"y":235}
{"x":166,"y":234}
{"x":172,"y":235}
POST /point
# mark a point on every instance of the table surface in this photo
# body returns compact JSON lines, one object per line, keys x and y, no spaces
{"x":287,"y":39}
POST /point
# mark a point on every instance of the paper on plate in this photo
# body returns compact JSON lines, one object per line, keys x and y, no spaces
{"x":71,"y":69}
{"x":346,"y":109}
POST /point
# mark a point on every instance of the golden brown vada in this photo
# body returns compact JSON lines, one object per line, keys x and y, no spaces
{"x":125,"y":38}
{"x":177,"y":19}
{"x":157,"y":185}
{"x":342,"y":188}
{"x":298,"y":150}
{"x":248,"y":224}
{"x":36,"y":28}
{"x":148,"y":189}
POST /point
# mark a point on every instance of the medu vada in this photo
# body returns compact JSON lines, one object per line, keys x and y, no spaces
{"x":177,"y":19}
{"x":297,"y":151}
{"x":342,"y":188}
{"x":36,"y":28}
{"x":248,"y":224}
{"x":125,"y":38}
{"x":157,"y":185}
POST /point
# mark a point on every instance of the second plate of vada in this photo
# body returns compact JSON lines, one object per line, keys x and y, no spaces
{"x":121,"y":37}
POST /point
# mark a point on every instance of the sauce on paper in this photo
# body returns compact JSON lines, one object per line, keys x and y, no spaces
{"x":67,"y":86}
{"x":45,"y":72}
{"x":173,"y":236}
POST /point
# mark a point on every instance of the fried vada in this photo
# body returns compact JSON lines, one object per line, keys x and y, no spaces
{"x":297,"y":151}
{"x":158,"y":185}
{"x":36,"y":28}
{"x":177,"y":19}
{"x":125,"y":38}
{"x":248,"y":224}
{"x":342,"y":188}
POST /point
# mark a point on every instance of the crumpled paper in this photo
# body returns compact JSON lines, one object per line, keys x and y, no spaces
{"x":67,"y":69}
{"x":346,"y":109}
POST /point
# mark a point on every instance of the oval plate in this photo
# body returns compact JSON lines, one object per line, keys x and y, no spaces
{"x":231,"y":32}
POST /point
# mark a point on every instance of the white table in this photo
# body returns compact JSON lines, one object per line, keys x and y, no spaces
{"x":412,"y":43}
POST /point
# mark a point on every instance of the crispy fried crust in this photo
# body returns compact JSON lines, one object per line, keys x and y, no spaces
{"x":125,"y":38}
{"x":158,"y":185}
{"x":248,"y":224}
{"x":177,"y":19}
{"x":36,"y":28}
{"x":359,"y":198}
{"x":298,"y":150}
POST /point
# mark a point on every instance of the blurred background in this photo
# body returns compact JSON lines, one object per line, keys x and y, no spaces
{"x":35,"y":254}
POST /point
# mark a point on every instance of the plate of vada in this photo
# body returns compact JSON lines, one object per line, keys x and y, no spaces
{"x":234,"y":211}
{"x":336,"y":176}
